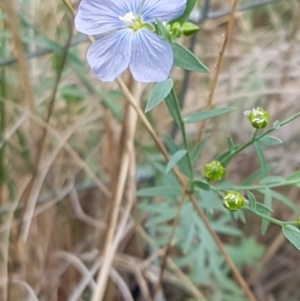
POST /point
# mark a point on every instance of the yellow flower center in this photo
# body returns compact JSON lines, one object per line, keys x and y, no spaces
{"x":132,"y":21}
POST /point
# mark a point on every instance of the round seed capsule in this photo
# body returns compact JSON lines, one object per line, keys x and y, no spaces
{"x":232,"y":200}
{"x":258,"y":117}
{"x":214,"y":171}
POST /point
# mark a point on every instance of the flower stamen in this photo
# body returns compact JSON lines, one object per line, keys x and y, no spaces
{"x":129,"y":18}
{"x":132,"y":21}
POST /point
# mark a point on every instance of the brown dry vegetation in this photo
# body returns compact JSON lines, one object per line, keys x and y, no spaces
{"x":63,"y":155}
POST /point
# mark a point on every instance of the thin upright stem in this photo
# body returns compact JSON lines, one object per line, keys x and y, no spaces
{"x":254,"y":135}
{"x":218,"y":68}
{"x":183,"y":133}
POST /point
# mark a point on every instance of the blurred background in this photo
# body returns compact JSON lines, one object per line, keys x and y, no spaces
{"x":60,"y":142}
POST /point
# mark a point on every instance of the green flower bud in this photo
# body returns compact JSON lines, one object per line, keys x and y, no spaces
{"x":176,"y":30}
{"x":214,"y":171}
{"x":168,"y":27}
{"x":232,"y":200}
{"x":189,"y":28}
{"x":176,"y":26}
{"x":258,"y":117}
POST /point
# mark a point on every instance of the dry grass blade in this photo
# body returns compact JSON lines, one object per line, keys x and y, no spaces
{"x":12,"y":130}
{"x":5,"y":276}
{"x":143,"y":285}
{"x":37,"y":185}
{"x":81,"y":215}
{"x":183,"y":279}
{"x":25,"y":82}
{"x":218,"y":68}
{"x":131,"y":188}
{"x":31,"y":294}
{"x":115,"y":276}
{"x":80,"y":266}
{"x":121,"y":284}
{"x":108,"y":249}
{"x":30,"y":201}
{"x":66,"y":146}
{"x":81,"y":286}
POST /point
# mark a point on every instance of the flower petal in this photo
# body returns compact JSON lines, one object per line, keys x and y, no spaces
{"x":152,"y":57}
{"x":163,"y":11}
{"x":95,"y":17}
{"x":128,"y":6}
{"x":110,"y":55}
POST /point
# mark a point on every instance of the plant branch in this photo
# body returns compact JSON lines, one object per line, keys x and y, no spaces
{"x":183,"y":181}
{"x":183,"y":132}
{"x":269,"y":218}
{"x":256,"y":138}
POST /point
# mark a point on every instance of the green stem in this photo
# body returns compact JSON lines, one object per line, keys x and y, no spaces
{"x":275,"y":185}
{"x":269,"y":218}
{"x":254,"y":135}
{"x":255,"y":138}
{"x":181,"y":125}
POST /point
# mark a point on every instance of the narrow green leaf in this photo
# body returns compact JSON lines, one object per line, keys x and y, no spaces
{"x":294,"y":177}
{"x":261,"y":159}
{"x":175,"y":159}
{"x":232,"y":231}
{"x":159,"y":191}
{"x":230,"y":145}
{"x":269,"y":141}
{"x":171,"y":104}
{"x":225,"y":158}
{"x":200,"y":116}
{"x":224,"y":185}
{"x":252,"y":200}
{"x":262,"y":208}
{"x":285,"y":200}
{"x":186,"y":60}
{"x":188,"y":9}
{"x":171,"y":145}
{"x":173,"y":148}
{"x":159,"y":93}
{"x":157,"y":208}
{"x":267,"y":203}
{"x":257,"y":175}
{"x":162,"y":31}
{"x":292,"y":233}
{"x":210,"y":201}
{"x":199,"y":148}
{"x":190,"y":230}
{"x":161,"y":218}
{"x":277,"y":125}
{"x":202,"y":184}
{"x":272,"y":180}
{"x":240,"y":214}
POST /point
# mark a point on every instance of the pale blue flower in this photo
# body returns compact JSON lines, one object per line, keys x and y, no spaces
{"x":126,"y":38}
